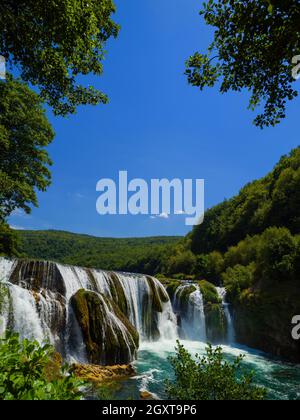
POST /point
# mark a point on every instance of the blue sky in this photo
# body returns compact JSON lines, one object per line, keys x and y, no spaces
{"x":155,"y":126}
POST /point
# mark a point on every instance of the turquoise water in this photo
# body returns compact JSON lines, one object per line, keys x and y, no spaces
{"x":282,"y":380}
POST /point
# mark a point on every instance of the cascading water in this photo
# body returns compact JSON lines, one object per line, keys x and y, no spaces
{"x":25,"y":315}
{"x":40,"y":295}
{"x":188,"y":303}
{"x":230,"y":328}
{"x":167,"y":324}
{"x":196,"y":312}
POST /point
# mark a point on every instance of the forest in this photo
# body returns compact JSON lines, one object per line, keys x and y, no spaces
{"x":141,"y":255}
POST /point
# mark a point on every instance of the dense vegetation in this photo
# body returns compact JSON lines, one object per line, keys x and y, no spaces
{"x":210,"y":378}
{"x":29,"y":371}
{"x":52,"y":43}
{"x":8,"y":240}
{"x":24,"y":135}
{"x":271,"y":201}
{"x":143,"y":255}
{"x":253,"y":48}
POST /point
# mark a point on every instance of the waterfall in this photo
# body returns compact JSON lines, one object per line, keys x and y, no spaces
{"x":167,"y":324}
{"x":26,"y":319}
{"x":40,"y":304}
{"x":188,"y":303}
{"x":230,"y":328}
{"x":6,"y":267}
{"x":196,"y":313}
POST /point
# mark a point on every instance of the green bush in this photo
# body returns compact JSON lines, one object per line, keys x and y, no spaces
{"x":181,"y":262}
{"x":237,"y":279}
{"x":244,"y":253}
{"x":210,"y":377}
{"x":29,"y":371}
{"x":210,"y":266}
{"x":276,"y":255}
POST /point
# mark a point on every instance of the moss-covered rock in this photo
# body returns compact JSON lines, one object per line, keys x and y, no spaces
{"x":157,"y":295}
{"x":171,"y":287}
{"x":186,"y":293}
{"x":93,"y":282}
{"x":152,"y":305}
{"x":109,"y":337}
{"x":4,"y":295}
{"x":182,"y":296}
{"x":118,"y":294}
{"x":216,"y":324}
{"x":209,"y":293}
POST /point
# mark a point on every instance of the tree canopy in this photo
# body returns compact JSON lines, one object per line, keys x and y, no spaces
{"x":253,"y":48}
{"x":270,"y":201}
{"x":53,"y":42}
{"x":24,"y":134}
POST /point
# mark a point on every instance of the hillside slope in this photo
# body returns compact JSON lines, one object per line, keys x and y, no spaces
{"x":134,"y":254}
{"x":271,"y":201}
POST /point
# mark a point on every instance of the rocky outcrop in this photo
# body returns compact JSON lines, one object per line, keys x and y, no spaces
{"x":37,"y":275}
{"x":109,"y":337}
{"x":216,"y":325}
{"x":98,"y":374}
{"x":147,"y":396}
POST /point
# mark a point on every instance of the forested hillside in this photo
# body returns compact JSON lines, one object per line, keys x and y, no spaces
{"x":143,"y":255}
{"x":271,"y":201}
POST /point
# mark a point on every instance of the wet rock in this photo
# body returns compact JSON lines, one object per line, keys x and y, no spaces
{"x":146,"y":395}
{"x":108,"y":335}
{"x":95,"y":373}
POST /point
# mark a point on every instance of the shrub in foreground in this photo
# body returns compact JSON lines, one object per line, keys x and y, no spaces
{"x":210,"y":377}
{"x":29,"y":371}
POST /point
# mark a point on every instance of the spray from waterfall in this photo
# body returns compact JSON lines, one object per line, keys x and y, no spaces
{"x":190,"y":307}
{"x":230,"y":328}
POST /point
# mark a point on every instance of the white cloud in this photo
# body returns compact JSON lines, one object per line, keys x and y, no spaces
{"x":14,"y":227}
{"x":164,"y":216}
{"x":160,"y":216}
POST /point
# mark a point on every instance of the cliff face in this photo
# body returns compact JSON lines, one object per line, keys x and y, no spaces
{"x":263,"y":320}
